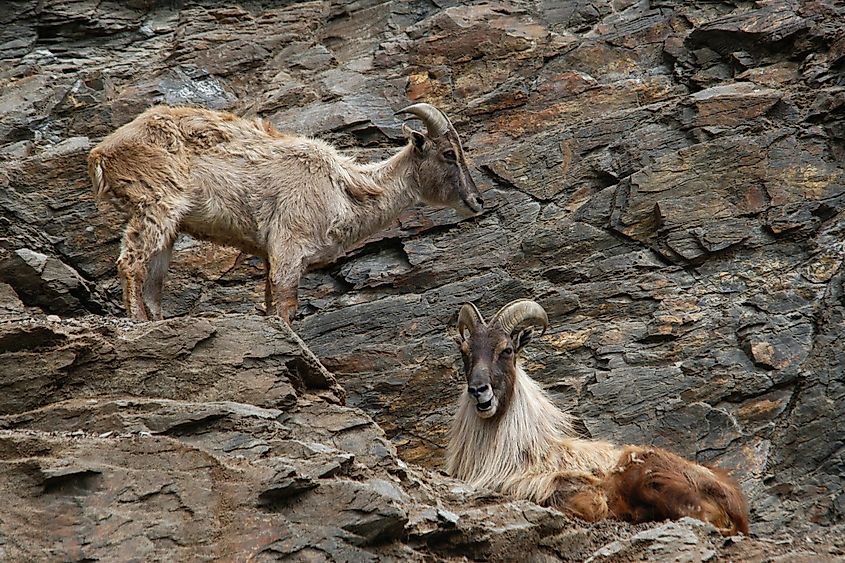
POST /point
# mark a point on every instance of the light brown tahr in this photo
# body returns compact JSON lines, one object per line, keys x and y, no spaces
{"x":508,"y":436}
{"x":294,"y":201}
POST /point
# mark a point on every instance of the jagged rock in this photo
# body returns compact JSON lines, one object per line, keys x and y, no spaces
{"x":11,"y":307}
{"x":114,"y":468}
{"x":767,"y":27}
{"x":673,"y":540}
{"x":246,"y":359}
{"x":666,"y":178}
{"x":46,"y":282}
{"x":732,"y":104}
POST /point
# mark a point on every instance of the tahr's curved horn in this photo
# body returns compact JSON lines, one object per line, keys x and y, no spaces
{"x":469,"y":318}
{"x":436,"y":122}
{"x":521,"y":312}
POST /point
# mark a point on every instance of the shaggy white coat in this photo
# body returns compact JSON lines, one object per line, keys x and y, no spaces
{"x":526,"y":451}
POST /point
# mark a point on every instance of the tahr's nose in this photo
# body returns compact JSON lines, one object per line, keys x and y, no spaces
{"x":477,"y":391}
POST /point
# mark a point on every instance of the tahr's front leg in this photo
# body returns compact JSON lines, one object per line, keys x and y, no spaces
{"x":283,"y":285}
{"x":286,"y":303}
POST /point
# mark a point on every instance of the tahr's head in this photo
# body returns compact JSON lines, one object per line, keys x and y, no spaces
{"x":490,"y":350}
{"x":444,"y":177}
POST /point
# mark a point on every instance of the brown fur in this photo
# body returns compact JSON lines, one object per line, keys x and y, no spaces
{"x":653,"y":484}
{"x":580,"y":494}
{"x":294,"y":201}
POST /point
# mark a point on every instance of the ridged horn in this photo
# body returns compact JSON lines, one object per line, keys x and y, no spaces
{"x":469,"y":318}
{"x":436,"y":122}
{"x":521,"y":312}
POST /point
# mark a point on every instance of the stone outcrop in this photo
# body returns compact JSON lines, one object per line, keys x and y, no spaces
{"x":666,"y":178}
{"x":225,"y":439}
{"x":209,"y":439}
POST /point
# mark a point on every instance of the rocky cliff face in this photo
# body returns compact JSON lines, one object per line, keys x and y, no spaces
{"x":224,"y":439}
{"x":665,"y":178}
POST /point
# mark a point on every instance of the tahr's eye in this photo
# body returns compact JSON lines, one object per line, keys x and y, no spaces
{"x":506,"y":353}
{"x":450,"y":155}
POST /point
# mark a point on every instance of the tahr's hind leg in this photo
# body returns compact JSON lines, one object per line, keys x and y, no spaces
{"x":147,"y":234}
{"x":268,"y":289}
{"x":154,"y":283}
{"x":651,"y":484}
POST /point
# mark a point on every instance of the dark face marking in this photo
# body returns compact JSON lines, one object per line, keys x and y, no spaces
{"x":489,"y":357}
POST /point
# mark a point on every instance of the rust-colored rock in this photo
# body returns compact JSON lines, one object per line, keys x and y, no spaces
{"x":666,"y":178}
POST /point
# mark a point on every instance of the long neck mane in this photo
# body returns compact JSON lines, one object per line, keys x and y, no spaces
{"x":492,"y":452}
{"x":391,"y":187}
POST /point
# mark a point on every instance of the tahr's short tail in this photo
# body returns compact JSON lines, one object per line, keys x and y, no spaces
{"x":97,"y":174}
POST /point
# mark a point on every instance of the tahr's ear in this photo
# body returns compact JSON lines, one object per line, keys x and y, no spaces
{"x":416,"y":137}
{"x":522,"y":338}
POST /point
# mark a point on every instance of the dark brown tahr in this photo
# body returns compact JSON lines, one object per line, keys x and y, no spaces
{"x":509,"y":436}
